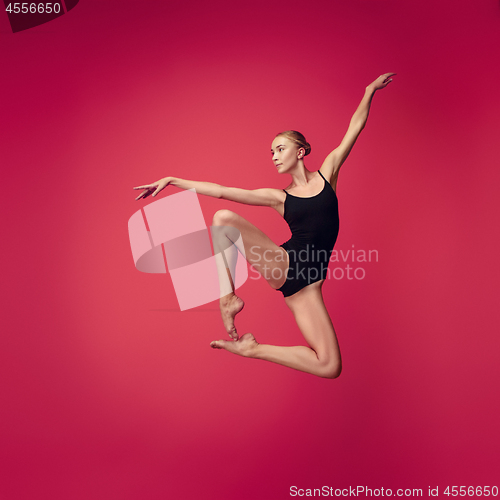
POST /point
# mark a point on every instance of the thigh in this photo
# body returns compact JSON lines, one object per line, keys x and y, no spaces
{"x":269,"y":259}
{"x":314,"y":322}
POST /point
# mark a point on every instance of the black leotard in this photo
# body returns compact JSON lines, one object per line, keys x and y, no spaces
{"x":314,"y":223}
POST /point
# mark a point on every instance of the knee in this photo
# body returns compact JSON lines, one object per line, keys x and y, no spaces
{"x":223,"y":216}
{"x":332,"y":370}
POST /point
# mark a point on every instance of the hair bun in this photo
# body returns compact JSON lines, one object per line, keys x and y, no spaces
{"x":297,"y":138}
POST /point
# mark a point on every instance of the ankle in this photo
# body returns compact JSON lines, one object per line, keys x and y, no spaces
{"x":254,"y":351}
{"x":228,"y":297}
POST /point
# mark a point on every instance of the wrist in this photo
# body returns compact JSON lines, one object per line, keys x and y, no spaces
{"x":370,"y":89}
{"x":254,"y":352}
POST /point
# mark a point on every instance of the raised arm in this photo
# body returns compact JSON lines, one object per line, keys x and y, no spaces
{"x":333,"y":162}
{"x":265,"y":197}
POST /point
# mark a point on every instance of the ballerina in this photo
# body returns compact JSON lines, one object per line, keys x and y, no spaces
{"x":298,"y":267}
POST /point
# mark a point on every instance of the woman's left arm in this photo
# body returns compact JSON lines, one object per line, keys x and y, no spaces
{"x":333,"y":162}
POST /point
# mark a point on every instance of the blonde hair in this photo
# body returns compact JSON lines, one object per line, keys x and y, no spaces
{"x":297,"y":138}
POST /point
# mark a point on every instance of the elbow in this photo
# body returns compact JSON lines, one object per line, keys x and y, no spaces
{"x":219,"y":192}
{"x":360,"y":125}
{"x":358,"y":122}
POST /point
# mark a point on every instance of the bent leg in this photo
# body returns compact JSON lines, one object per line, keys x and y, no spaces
{"x":270,"y":260}
{"x":321,"y":358}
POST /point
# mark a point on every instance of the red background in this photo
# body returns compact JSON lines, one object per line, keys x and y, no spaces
{"x":108,"y":391}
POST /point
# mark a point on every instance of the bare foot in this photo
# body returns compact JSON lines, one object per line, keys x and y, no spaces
{"x":245,"y":346}
{"x":230,"y":306}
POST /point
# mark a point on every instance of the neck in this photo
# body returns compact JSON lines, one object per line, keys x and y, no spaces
{"x":300,"y":175}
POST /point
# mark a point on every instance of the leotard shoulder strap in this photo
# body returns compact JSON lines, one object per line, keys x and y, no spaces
{"x":319,"y":174}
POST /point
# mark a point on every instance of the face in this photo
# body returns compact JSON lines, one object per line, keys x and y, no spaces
{"x":285,"y":153}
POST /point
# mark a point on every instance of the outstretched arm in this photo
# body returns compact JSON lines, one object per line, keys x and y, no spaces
{"x":333,"y":162}
{"x":264,"y":197}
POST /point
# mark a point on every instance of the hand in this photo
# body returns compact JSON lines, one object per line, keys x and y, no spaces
{"x":154,"y":188}
{"x":381,"y":82}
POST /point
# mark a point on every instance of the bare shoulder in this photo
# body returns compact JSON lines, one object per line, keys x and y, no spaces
{"x":268,"y":197}
{"x":273,"y":196}
{"x":278,"y":194}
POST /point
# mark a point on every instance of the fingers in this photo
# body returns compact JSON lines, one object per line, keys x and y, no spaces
{"x":384,"y":80}
{"x":153,"y":189}
{"x":144,"y":194}
{"x":387,"y":77}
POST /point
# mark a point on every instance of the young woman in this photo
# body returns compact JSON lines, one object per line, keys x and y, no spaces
{"x":298,"y":268}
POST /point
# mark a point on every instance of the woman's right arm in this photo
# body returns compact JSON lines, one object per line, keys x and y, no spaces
{"x":265,"y":197}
